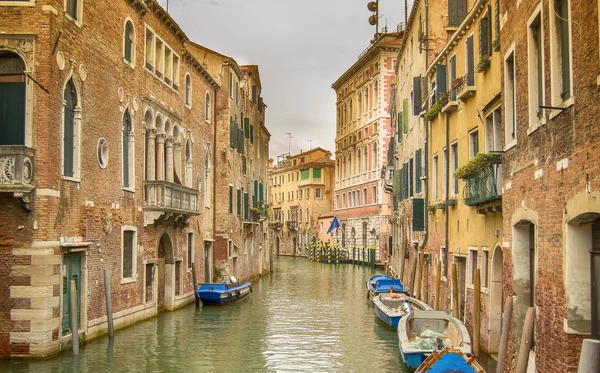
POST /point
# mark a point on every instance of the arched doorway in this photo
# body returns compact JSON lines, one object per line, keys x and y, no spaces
{"x":496,"y":300}
{"x":165,"y":263}
{"x":12,"y":99}
{"x":583,"y":274}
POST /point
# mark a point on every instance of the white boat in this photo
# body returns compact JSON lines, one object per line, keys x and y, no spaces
{"x":390,"y":307}
{"x":422,"y":332}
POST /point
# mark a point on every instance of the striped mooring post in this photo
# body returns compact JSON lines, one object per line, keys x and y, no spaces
{"x":328,"y":253}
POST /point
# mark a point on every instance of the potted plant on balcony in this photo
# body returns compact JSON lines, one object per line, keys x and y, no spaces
{"x":484,"y":63}
{"x":477,"y":164}
{"x":433,"y":110}
{"x":457,"y":83}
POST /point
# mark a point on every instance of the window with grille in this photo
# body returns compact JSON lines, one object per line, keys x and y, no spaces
{"x":128,"y":253}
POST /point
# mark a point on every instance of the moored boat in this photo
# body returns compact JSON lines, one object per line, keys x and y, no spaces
{"x":223,"y":292}
{"x":390,"y":307}
{"x":383,"y":284}
{"x":449,"y":360}
{"x":420,"y":333}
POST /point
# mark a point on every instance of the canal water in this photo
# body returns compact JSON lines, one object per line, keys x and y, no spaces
{"x":305,"y":317}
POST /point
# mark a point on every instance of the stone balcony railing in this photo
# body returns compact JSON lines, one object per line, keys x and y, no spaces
{"x":16,"y":168}
{"x":164,"y":200}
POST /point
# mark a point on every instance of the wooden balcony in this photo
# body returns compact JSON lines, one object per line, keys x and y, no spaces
{"x":168,"y":203}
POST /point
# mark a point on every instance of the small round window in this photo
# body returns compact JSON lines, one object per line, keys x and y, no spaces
{"x":102,"y":153}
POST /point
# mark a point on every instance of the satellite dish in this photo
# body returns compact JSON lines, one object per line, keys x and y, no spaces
{"x":233,"y":280}
{"x":373,"y":20}
{"x":372,"y":6}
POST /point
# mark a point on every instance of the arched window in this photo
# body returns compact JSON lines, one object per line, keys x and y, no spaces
{"x":188,"y":90}
{"x":70,"y":146}
{"x":207,"y":108}
{"x":12,"y":99}
{"x":128,"y":41}
{"x":127,"y":154}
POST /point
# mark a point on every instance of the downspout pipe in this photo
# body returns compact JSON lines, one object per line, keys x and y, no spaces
{"x":447,"y":181}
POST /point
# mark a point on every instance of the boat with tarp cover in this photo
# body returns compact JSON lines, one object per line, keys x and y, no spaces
{"x":449,"y":360}
{"x":383,"y":284}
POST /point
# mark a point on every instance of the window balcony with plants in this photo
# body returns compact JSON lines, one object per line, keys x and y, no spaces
{"x":464,"y":86}
{"x":483,"y":180}
{"x":451,"y":100}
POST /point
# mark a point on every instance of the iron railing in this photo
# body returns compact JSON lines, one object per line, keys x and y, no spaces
{"x":485,"y":185}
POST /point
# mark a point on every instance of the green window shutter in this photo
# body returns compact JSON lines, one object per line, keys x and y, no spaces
{"x":457,"y":11}
{"x":12,"y":114}
{"x":470,"y":62}
{"x":417,"y":95}
{"x":230,"y":199}
{"x":246,"y":205}
{"x":304,"y":174}
{"x":128,"y":41}
{"x":399,"y":125}
{"x":316,"y":173}
{"x":125,"y":155}
{"x":247,"y":128}
{"x":418,"y":215}
{"x":239,"y":202}
{"x":411,"y":166}
{"x":452,"y":76}
{"x":405,"y":117}
{"x":406,"y":181}
{"x":397,"y":181}
{"x":400,"y":182}
{"x":261,"y":192}
{"x":241,"y":140}
{"x":251,"y":134}
{"x":233,"y":132}
{"x":484,"y":36}
{"x":455,"y":161}
{"x":255,"y":194}
{"x":565,"y":49}
{"x":440,"y":80}
{"x":418,"y":171}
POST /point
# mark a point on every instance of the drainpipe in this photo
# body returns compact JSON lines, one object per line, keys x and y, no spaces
{"x":427,"y":123}
{"x":447,"y":181}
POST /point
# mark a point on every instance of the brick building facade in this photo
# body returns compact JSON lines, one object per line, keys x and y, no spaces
{"x":108,"y":150}
{"x":550,"y":60}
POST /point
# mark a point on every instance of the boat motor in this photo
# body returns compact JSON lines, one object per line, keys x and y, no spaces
{"x":406,"y":307}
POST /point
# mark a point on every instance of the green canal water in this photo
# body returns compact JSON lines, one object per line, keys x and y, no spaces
{"x":304,"y":317}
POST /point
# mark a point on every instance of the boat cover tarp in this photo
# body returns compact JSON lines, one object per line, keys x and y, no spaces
{"x":386,"y":285}
{"x":451,"y":363}
{"x":428,"y":340}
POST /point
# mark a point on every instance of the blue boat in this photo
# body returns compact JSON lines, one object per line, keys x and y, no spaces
{"x":390,"y":307}
{"x":420,"y":333}
{"x":223,"y":292}
{"x":383,"y":284}
{"x":449,"y":360}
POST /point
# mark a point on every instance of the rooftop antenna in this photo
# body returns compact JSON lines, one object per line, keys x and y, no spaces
{"x":309,"y":144}
{"x":289,"y":141}
{"x":167,"y":6}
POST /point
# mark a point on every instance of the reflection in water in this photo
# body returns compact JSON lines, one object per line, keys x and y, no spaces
{"x":305,"y":317}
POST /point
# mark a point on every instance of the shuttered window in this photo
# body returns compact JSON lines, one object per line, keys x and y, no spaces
{"x":452,"y":77}
{"x":239,"y":202}
{"x":440,"y":80}
{"x":418,"y":171}
{"x":255,"y":194}
{"x":316,"y":173}
{"x":247,"y":128}
{"x":410,"y":173}
{"x":470,"y":62}
{"x":251,"y":134}
{"x":565,"y":49}
{"x":240,"y":138}
{"x":261,"y":192}
{"x":457,"y":11}
{"x":485,"y":36}
{"x":230,"y":199}
{"x":406,"y":180}
{"x":304,"y":174}
{"x":418,"y":215}
{"x":405,"y":115}
{"x":128,"y":41}
{"x":417,"y":95}
{"x":233,"y":135}
{"x":399,"y":191}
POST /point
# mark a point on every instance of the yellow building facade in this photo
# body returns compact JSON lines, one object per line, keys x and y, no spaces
{"x":465,"y":173}
{"x":301,"y":188}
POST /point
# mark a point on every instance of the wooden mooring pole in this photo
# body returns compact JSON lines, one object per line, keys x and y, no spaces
{"x":74,"y":319}
{"x":109,"y":314}
{"x":526,"y":341}
{"x":455,"y":302}
{"x":438,"y":278}
{"x":196,"y":297}
{"x":504,"y":335}
{"x":476,"y":312}
{"x":420,"y":277}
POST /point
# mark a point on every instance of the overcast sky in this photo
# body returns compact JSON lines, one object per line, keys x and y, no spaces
{"x":300,"y":46}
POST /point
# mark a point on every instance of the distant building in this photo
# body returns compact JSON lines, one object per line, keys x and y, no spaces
{"x":242,"y":147}
{"x":363,"y":135}
{"x":301,"y":190}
